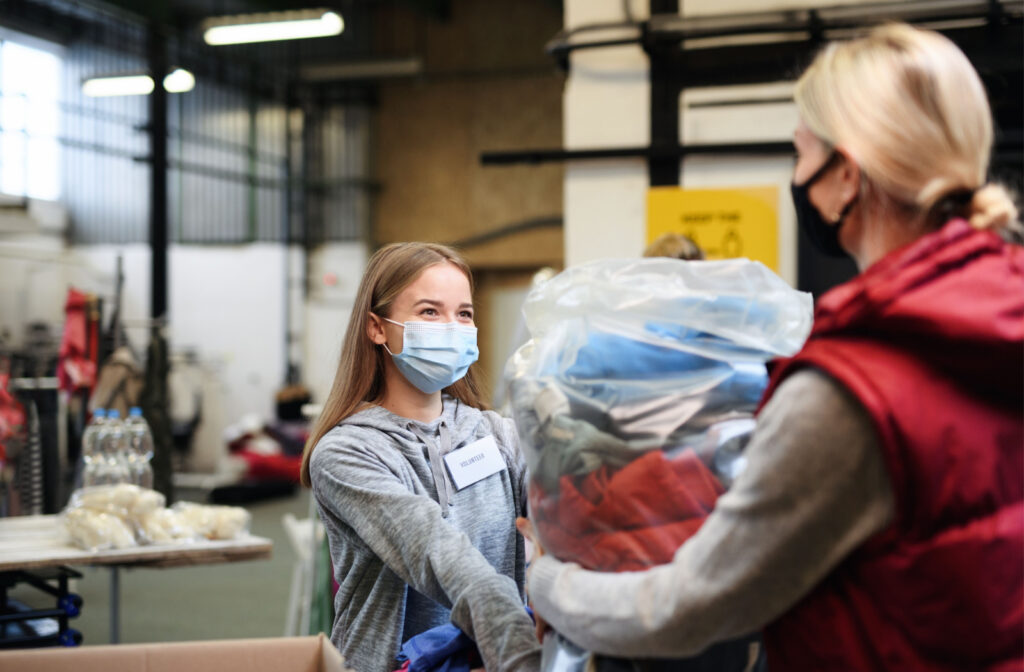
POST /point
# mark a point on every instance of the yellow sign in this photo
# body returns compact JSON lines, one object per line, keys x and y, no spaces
{"x":725,"y":223}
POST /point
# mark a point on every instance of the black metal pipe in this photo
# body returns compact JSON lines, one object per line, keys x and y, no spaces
{"x":665,"y":111}
{"x":500,"y":158}
{"x":667,"y":26}
{"x":507,"y":230}
{"x":157,"y":57}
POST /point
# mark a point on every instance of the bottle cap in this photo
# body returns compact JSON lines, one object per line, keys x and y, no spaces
{"x":114,"y":414}
{"x":135,"y":412}
{"x":99,"y":413}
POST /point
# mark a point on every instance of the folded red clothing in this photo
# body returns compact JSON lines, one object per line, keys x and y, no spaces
{"x":272,"y":467}
{"x":626,"y":519}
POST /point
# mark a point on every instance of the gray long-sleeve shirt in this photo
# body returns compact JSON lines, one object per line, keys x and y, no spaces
{"x":400,"y":563}
{"x":814,"y":489}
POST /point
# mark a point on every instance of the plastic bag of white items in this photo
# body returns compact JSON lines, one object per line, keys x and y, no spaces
{"x":109,"y":516}
{"x":124,"y":500}
{"x":213,"y":522}
{"x":96,"y":530}
{"x":165,"y":526}
{"x":635,"y":398}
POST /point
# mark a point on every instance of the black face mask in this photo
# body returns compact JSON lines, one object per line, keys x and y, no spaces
{"x":823,"y":235}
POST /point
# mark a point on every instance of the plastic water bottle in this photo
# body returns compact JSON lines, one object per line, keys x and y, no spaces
{"x":92,"y":457}
{"x":140,"y":451}
{"x":113,"y":448}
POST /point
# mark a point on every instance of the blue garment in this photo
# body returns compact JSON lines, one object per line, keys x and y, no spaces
{"x":442,"y":649}
{"x":617,"y":357}
{"x":612,"y":371}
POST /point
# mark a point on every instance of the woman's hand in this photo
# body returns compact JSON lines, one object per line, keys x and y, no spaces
{"x":525,"y":528}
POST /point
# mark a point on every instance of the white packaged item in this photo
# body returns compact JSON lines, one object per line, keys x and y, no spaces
{"x":165,"y":526}
{"x":124,"y":500}
{"x":97,"y":531}
{"x":213,"y":522}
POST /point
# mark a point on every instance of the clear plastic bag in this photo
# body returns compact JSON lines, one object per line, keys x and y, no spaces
{"x":124,"y":500}
{"x":103,"y":517}
{"x":165,"y":526}
{"x":213,"y":522}
{"x":120,"y":516}
{"x":97,"y":530}
{"x":634,"y":402}
{"x":635,"y":397}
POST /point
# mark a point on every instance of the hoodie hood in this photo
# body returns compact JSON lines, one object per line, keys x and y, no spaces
{"x":462,"y":421}
{"x":456,"y":425}
{"x":954,"y":298}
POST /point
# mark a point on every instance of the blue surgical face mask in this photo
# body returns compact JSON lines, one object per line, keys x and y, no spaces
{"x":435,"y":355}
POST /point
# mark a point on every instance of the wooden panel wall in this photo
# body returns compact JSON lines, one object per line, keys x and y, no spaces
{"x":487,"y":85}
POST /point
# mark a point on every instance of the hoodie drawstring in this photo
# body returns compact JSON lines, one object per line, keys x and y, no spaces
{"x":441,"y":484}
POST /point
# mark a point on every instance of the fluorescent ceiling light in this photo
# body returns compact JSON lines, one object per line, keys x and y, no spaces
{"x":179,"y":81}
{"x":272,"y":26}
{"x":131,"y":85}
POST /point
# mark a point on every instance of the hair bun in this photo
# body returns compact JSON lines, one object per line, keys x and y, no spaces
{"x":992,"y":208}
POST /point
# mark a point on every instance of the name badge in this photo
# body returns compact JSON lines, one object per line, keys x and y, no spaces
{"x":474,"y":462}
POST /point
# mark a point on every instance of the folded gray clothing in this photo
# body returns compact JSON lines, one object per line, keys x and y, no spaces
{"x":572,"y":447}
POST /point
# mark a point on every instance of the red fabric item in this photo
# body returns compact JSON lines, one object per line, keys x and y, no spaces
{"x":271,"y":467}
{"x":629,"y":519}
{"x":12,"y":415}
{"x":931,"y":342}
{"x":76,"y":360}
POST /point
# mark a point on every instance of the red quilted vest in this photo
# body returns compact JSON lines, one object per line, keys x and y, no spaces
{"x":930,"y":340}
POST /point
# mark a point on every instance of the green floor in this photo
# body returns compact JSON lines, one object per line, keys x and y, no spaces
{"x":227,"y":601}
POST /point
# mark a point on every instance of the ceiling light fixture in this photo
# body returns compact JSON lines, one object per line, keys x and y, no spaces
{"x":129,"y":85}
{"x":178,"y":80}
{"x":272,"y":26}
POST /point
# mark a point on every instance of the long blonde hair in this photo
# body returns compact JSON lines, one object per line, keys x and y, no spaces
{"x":360,"y":376}
{"x":911,"y":110}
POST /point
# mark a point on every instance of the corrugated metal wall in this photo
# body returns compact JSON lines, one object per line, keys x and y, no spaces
{"x":228,"y":143}
{"x":104,"y":176}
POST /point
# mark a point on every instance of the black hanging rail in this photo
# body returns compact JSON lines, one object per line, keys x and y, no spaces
{"x":533,"y":156}
{"x":713,"y":57}
{"x":799,"y":24}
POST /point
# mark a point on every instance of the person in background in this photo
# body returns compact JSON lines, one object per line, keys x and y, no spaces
{"x":675,"y":246}
{"x":879,"y":523}
{"x":414,"y":546}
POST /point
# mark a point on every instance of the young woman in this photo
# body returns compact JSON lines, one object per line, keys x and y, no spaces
{"x":879,"y":523}
{"x":419,"y":488}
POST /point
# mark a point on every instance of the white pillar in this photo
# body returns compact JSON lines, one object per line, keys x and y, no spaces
{"x":606,"y":104}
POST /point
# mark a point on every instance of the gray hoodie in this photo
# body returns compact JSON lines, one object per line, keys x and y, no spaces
{"x":403,"y":564}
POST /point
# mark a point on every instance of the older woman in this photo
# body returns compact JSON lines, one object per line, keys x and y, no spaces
{"x":879,"y":523}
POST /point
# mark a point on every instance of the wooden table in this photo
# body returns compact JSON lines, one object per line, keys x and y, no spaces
{"x":33,"y":542}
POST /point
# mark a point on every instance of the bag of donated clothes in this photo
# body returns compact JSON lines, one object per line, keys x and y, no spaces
{"x":636,"y":395}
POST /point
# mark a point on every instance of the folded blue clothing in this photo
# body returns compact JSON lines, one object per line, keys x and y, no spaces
{"x":614,"y":357}
{"x":445,"y":648}
{"x":441,"y":649}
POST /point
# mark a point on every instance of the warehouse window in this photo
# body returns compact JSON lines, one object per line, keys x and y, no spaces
{"x":29,"y":121}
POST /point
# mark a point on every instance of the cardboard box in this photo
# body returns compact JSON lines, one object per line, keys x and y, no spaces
{"x":281,"y":654}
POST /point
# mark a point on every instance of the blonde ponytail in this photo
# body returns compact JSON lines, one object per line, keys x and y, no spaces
{"x":993,"y":208}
